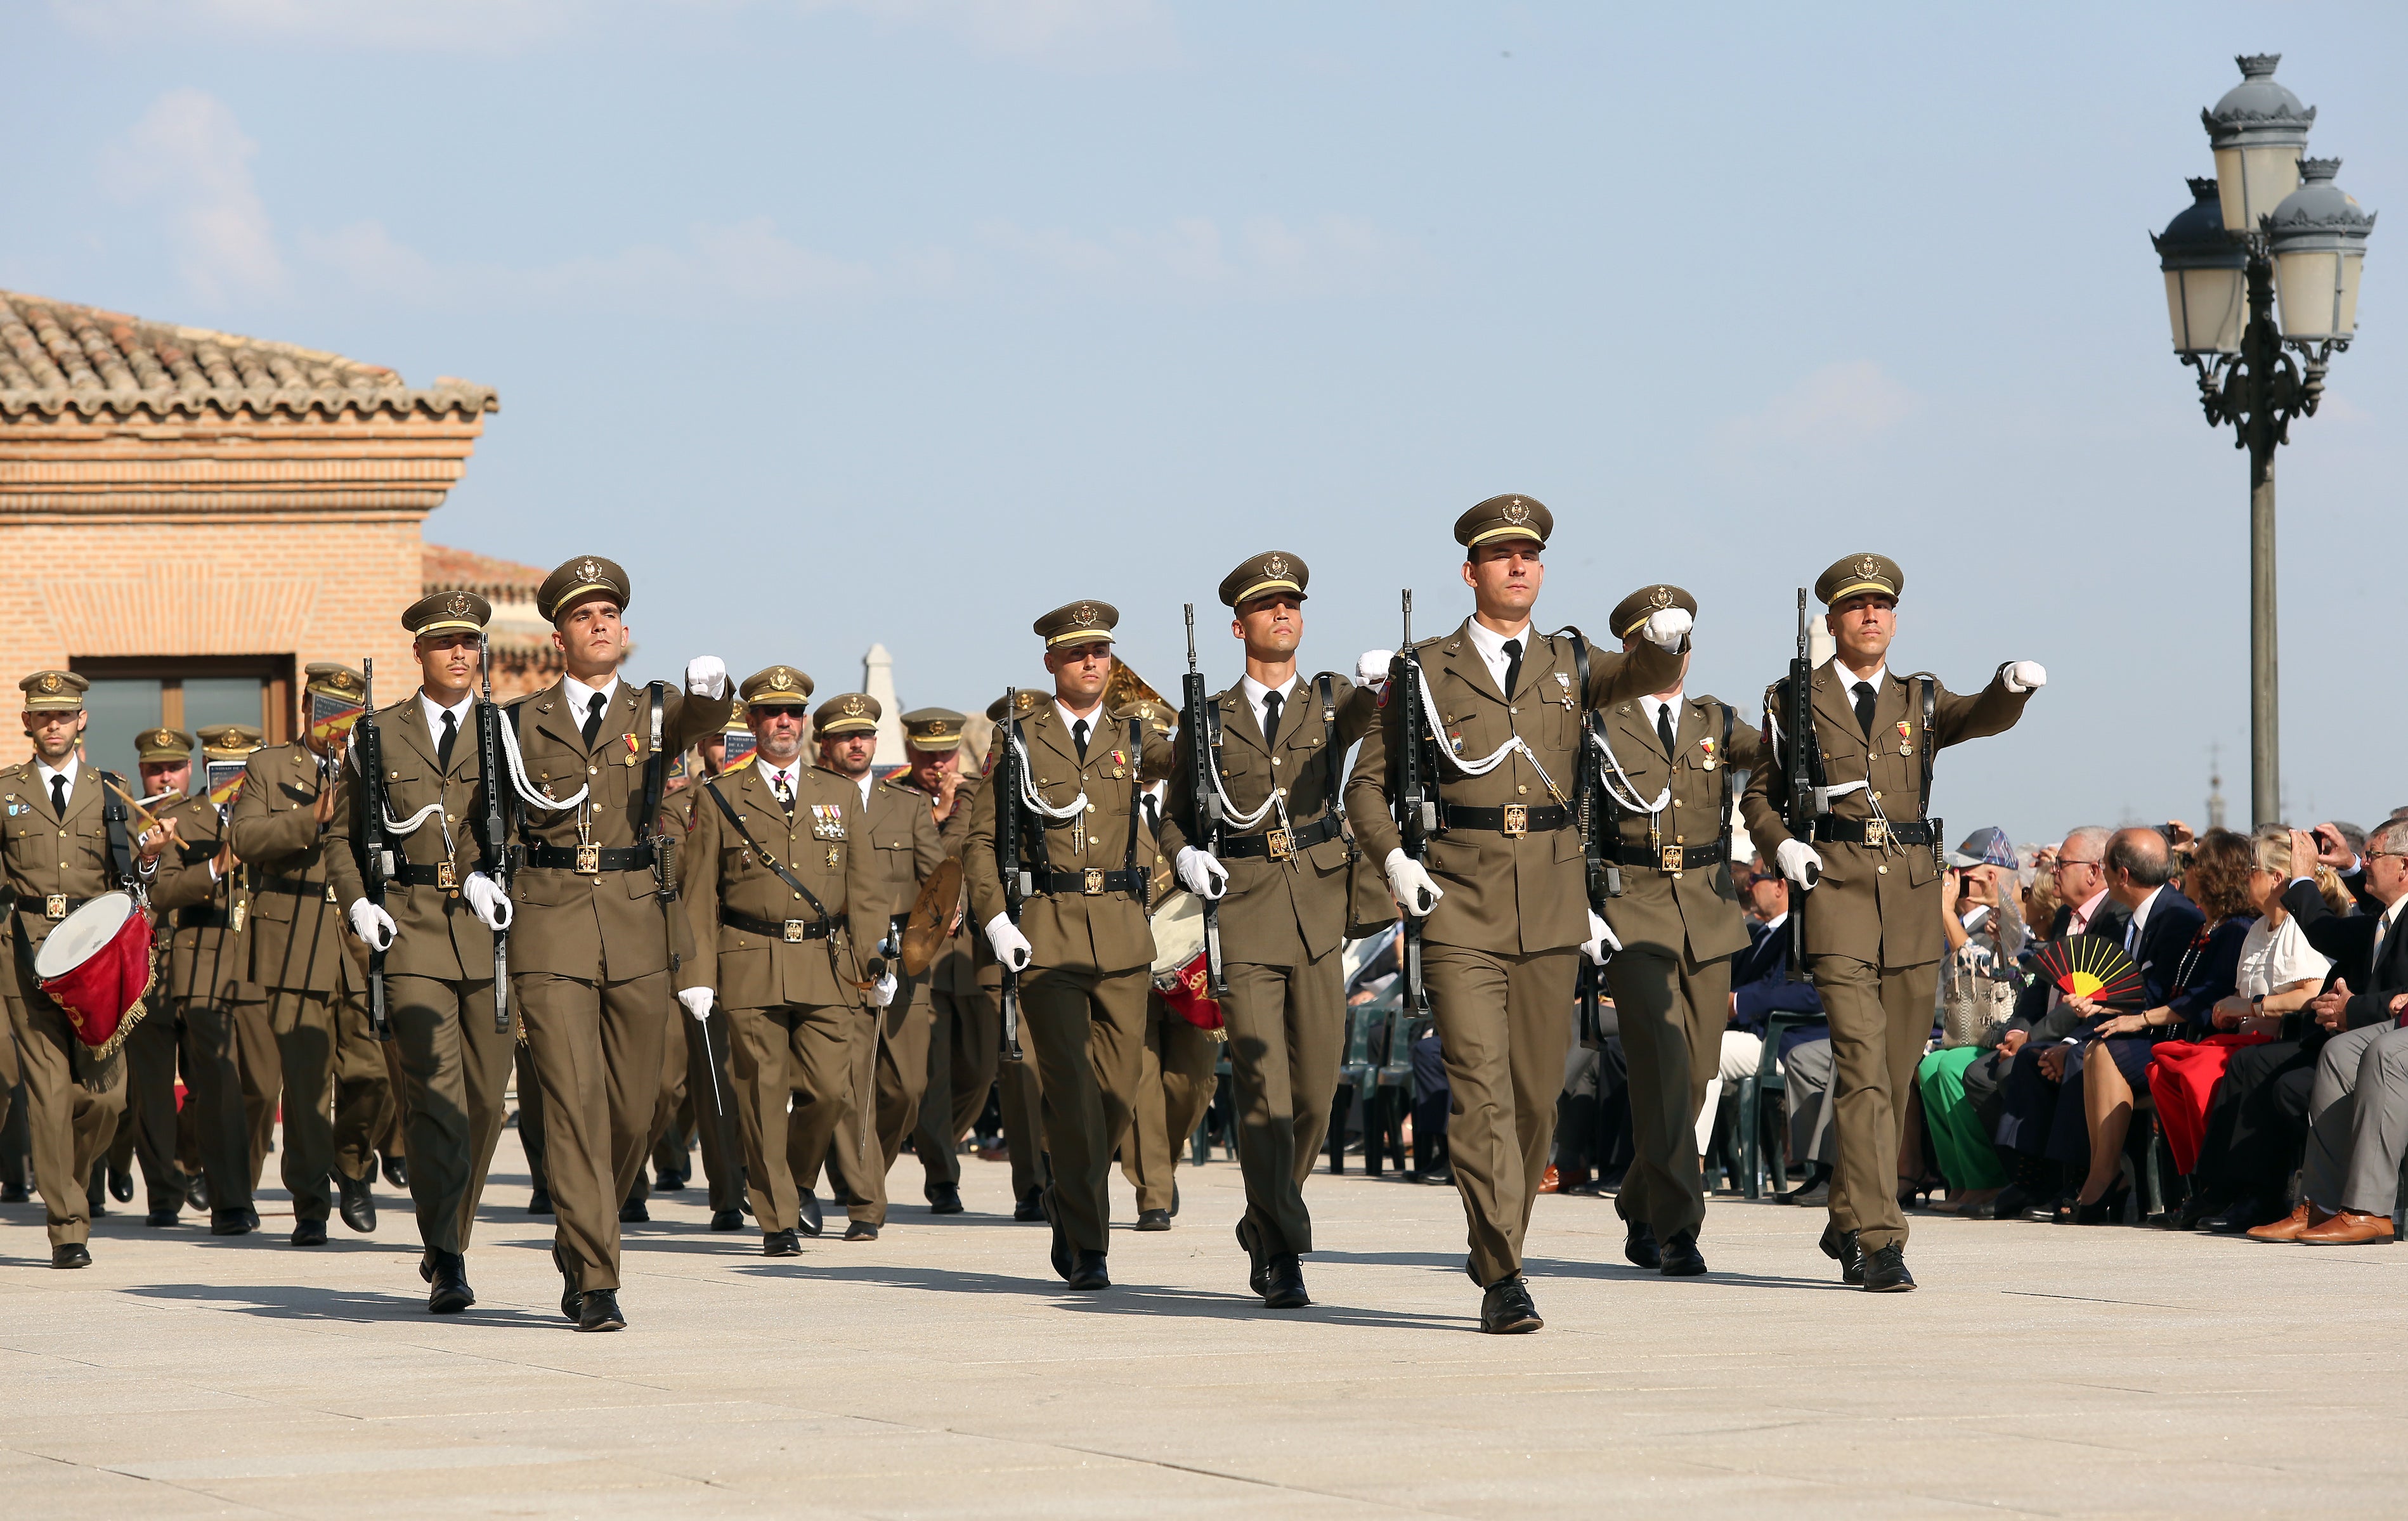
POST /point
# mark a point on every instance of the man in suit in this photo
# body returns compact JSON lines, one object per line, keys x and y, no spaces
{"x":1764,"y":984}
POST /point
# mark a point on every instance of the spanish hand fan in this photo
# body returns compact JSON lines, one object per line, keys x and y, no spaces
{"x":2093,"y":967}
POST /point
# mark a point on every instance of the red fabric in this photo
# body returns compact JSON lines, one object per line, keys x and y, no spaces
{"x":1189,"y":1001}
{"x":2181,"y":1080}
{"x":96,"y":995}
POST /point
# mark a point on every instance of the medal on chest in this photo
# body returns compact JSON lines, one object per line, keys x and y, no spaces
{"x":1905,"y":737}
{"x":1120,"y":765}
{"x":827,"y":822}
{"x":635,"y":754}
{"x":1564,"y":690}
{"x":834,"y":855}
{"x":1706,"y":748}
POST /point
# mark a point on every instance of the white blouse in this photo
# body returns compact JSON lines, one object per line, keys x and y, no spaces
{"x":2272,"y":959}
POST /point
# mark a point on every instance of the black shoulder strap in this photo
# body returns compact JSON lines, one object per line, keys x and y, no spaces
{"x":1322,"y":684}
{"x":1731,"y":721}
{"x":112,"y":817}
{"x":1137,"y":798}
{"x":1930,"y":708}
{"x":774,"y":864}
{"x":656,"y":765}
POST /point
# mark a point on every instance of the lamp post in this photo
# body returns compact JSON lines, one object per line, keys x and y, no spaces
{"x":2254,"y":232}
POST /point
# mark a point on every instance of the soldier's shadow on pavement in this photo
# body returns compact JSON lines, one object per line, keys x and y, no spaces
{"x":1121,"y":1299}
{"x":1539,"y":1268}
{"x":294,"y":1301}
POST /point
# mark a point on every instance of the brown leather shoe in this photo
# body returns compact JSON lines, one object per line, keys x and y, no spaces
{"x":2291,"y":1227}
{"x":2349,"y":1229}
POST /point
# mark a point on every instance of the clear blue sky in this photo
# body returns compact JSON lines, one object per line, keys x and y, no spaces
{"x":905,"y":320}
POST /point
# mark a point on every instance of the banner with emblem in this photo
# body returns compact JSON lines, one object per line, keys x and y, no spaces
{"x":331,"y":717}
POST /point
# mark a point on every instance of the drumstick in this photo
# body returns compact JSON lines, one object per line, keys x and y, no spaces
{"x":149,"y":821}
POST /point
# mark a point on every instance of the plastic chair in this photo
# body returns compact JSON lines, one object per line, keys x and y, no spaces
{"x":1355,"y":1073}
{"x":1768,"y":1078}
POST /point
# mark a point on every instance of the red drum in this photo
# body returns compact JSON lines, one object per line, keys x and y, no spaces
{"x":1179,"y":974}
{"x":96,"y":966}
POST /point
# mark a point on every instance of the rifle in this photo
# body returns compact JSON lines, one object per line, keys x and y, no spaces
{"x":1598,"y":832}
{"x":1797,"y":716}
{"x":375,"y":849}
{"x":1413,"y":787}
{"x":490,"y":764}
{"x":1016,"y":885}
{"x":1196,"y":737}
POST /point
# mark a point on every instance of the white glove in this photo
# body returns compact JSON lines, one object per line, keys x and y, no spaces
{"x":1667,"y":627}
{"x":1201,"y":873}
{"x":486,"y":897}
{"x":373,"y":925}
{"x":1601,"y":945}
{"x":1009,"y":945}
{"x":706,"y":675}
{"x":696,"y":1001}
{"x":2026,"y":676}
{"x":1371,"y":669}
{"x":1411,"y":884}
{"x":1799,"y":863}
{"x":881,"y":992}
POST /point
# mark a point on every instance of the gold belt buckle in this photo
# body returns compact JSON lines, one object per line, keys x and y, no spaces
{"x":589,"y":859}
{"x":1673,"y":858}
{"x":1092,"y":883}
{"x":1281,"y":843}
{"x":794,"y":928}
{"x":447,"y":876}
{"x":1517,"y":819}
{"x":1876,"y":832}
{"x":56,"y":907}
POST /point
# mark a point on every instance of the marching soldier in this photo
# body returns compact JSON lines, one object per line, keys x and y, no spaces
{"x":1279,"y":747}
{"x":1667,"y":793}
{"x":700,"y":1053}
{"x":1020,"y":1098}
{"x":163,"y":762}
{"x":783,"y":904}
{"x":1872,"y":927}
{"x":591,"y":952}
{"x":963,"y":1037}
{"x":1178,"y":1062}
{"x":335,"y":1081}
{"x":1082,"y":944}
{"x":1502,"y":899}
{"x":436,"y":927}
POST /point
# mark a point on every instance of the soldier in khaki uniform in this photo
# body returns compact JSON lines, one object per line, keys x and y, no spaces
{"x":1082,"y":944}
{"x":164,"y":763}
{"x":336,"y":1086}
{"x":1019,"y":1094}
{"x":436,"y":927}
{"x":698,"y":1060}
{"x":1280,"y":878}
{"x":784,"y":904}
{"x":590,"y":952}
{"x":1869,"y":880}
{"x":208,"y":974}
{"x":1505,"y":903}
{"x":963,"y":1038}
{"x":1667,"y":790}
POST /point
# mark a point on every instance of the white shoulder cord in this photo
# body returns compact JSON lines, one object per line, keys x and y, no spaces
{"x":1626,"y":795}
{"x":1229,"y":813}
{"x":532,"y":795}
{"x":411,"y":825}
{"x":1823,"y":795}
{"x":1028,"y":792}
{"x":1489,"y":763}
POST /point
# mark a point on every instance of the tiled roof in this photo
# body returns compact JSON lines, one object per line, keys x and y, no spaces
{"x":443,"y":568}
{"x":56,"y":358}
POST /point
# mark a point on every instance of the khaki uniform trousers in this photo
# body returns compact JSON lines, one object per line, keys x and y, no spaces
{"x":710,"y":1099}
{"x":262,"y":1069}
{"x":596,"y":1049}
{"x":1086,"y":1030}
{"x":1881,"y":1019}
{"x":964,"y":1048}
{"x":214,"y":1099}
{"x":1287,"y":1030}
{"x":1174,"y":1085}
{"x":69,"y":1124}
{"x":455,"y":1069}
{"x":1671,"y":1009}
{"x":150,"y":1118}
{"x":335,"y":1092}
{"x":1504,"y":1027}
{"x":898,"y":1081}
{"x":798,"y":1072}
{"x":668,"y":1106}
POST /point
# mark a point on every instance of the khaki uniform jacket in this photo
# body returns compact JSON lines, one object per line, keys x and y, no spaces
{"x":46,"y":854}
{"x":606,"y":926}
{"x":207,"y":963}
{"x":1881,"y":906}
{"x":1504,"y":895}
{"x":295,"y":931}
{"x":824,"y":846}
{"x":1292,"y":912}
{"x":955,"y":970}
{"x":1108,"y":932}
{"x":1697,"y":911}
{"x":441,"y":935}
{"x":905,"y":842}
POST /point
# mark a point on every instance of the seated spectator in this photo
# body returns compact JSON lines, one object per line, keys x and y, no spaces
{"x":1978,"y":987}
{"x":1764,"y":984}
{"x":1761,"y":984}
{"x":2224,"y":879}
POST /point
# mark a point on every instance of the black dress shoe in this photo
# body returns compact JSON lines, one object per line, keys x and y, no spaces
{"x":572,"y":1299}
{"x":668,"y":1183}
{"x":1087,"y":1271}
{"x":860,"y":1230}
{"x":1815,"y":1193}
{"x":308,"y":1232}
{"x":251,"y":1215}
{"x":539,"y":1202}
{"x":811,"y":1214}
{"x":1175,"y":1199}
{"x":1439,"y":1175}
{"x":1259,"y":1264}
{"x":2246,"y":1215}
{"x":1154,"y":1219}
{"x":396,"y":1172}
{"x":634,"y":1213}
{"x":780,"y":1244}
{"x":1283,"y":1284}
{"x":448,"y":1271}
{"x":358,"y":1206}
{"x":728,"y":1219}
{"x":230,"y":1222}
{"x":1060,"y":1253}
{"x":1682,"y":1258}
{"x":120,"y":1184}
{"x":600,"y":1312}
{"x":158,"y":1217}
{"x":944,"y":1199}
{"x":1638,"y":1246}
{"x":2045,"y":1211}
{"x":1506,"y":1309}
{"x":197,"y":1191}
{"x":1842,"y":1247}
{"x":1030,"y":1208}
{"x":73,"y":1255}
{"x":14,"y":1193}
{"x":1886,"y":1270}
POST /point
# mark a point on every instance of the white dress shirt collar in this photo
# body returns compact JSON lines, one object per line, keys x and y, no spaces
{"x":1256,"y":691}
{"x":459,"y":712}
{"x":1848,"y":679}
{"x":1491,"y":646}
{"x":868,"y":779}
{"x":47,"y":770}
{"x":1652,"y":706}
{"x":1094,"y":722}
{"x":580,"y":696}
{"x":2140,"y":917}
{"x":790,"y":773}
{"x":2084,"y":913}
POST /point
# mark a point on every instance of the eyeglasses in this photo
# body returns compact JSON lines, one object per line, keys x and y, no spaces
{"x":760,"y":710}
{"x":2062,"y":863}
{"x":2386,"y":855}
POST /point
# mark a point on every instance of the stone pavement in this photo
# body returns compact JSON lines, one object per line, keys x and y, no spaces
{"x":942,"y":1371}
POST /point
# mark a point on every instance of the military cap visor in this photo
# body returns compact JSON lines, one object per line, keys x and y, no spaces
{"x":447,"y":612}
{"x":1262,"y":576}
{"x":1078,"y":623}
{"x":582,"y":578}
{"x":1632,"y":612}
{"x":780,"y":685}
{"x":1509,"y":516}
{"x":59,"y":691}
{"x":1858,"y":575}
{"x":229,"y":741}
{"x":932,"y":729}
{"x":1028,"y":701}
{"x":851,"y":714}
{"x":334,"y":680}
{"x":161,"y":744}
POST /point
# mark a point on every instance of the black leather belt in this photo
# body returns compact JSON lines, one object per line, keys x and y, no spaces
{"x":589,"y":859}
{"x":1875,"y":832}
{"x":264,"y":882}
{"x":1512,"y":819}
{"x":1279,"y":844}
{"x":56,"y":905}
{"x":201,"y":918}
{"x":442,"y":875}
{"x":1089,"y":883}
{"x":1669,"y":857}
{"x":793,"y":931}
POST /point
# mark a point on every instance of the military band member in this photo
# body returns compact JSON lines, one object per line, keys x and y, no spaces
{"x":164,"y":763}
{"x":1082,"y":947}
{"x":1279,"y":744}
{"x":785,"y":904}
{"x":1503,"y":898}
{"x":441,"y":907}
{"x":590,"y":957}
{"x":1666,"y":790}
{"x":963,"y":1037}
{"x":1872,"y":915}
{"x":700,"y":1054}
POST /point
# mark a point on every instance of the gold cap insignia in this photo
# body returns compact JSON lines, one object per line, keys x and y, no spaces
{"x":50,"y":681}
{"x":457,"y":607}
{"x":1868,"y":565}
{"x":1083,"y":615}
{"x":1661,"y":597}
{"x":852,"y":705}
{"x":1516,"y":512}
{"x":1275,"y":566}
{"x":588,"y":571}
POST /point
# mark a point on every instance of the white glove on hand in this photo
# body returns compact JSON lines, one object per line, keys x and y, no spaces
{"x":1371,"y":669}
{"x":1201,"y":873}
{"x":485,"y":896}
{"x":1412,"y":885}
{"x":696,"y":1001}
{"x":1667,"y":627}
{"x":373,"y":925}
{"x":1601,"y":945}
{"x":1799,"y":863}
{"x":706,"y":675}
{"x":2026,"y":676}
{"x":1009,"y":945}
{"x":881,"y":992}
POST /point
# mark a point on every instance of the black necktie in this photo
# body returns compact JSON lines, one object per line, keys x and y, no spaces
{"x":593,"y":720}
{"x":451,"y":733}
{"x":1664,"y":730}
{"x":1270,"y":717}
{"x":59,"y":797}
{"x":1079,"y":732}
{"x":1512,"y":667}
{"x":1865,"y":707}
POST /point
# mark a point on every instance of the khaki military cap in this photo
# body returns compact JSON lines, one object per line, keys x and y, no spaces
{"x":229,"y":741}
{"x":1643,"y":604}
{"x":1262,"y":576}
{"x":329,"y":679}
{"x":1859,"y":573}
{"x":737,"y":722}
{"x":1161,"y":717}
{"x":780,"y":685}
{"x":54,"y":690}
{"x":1509,"y":516}
{"x":1078,"y":623}
{"x":448,"y":612}
{"x":161,"y":744}
{"x":582,"y":576}
{"x":1029,"y":699}
{"x":935,"y":729}
{"x":850,"y":713}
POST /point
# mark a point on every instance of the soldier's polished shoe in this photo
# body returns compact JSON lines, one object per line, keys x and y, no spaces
{"x":634,"y":1213}
{"x":358,"y":1205}
{"x":1840,"y":1247}
{"x":1258,"y":1269}
{"x":1154,"y":1219}
{"x":158,"y":1217}
{"x":308,"y":1232}
{"x":1638,"y":1246}
{"x":1506,"y":1309}
{"x":728,"y":1219}
{"x":539,"y":1202}
{"x":231,"y":1222}
{"x":1283,"y":1282}
{"x":811,"y":1214}
{"x":196,"y":1190}
{"x":668,"y":1183}
{"x":1885,"y":1270}
{"x":73,"y":1255}
{"x":14,"y":1193}
{"x":1030,"y":1208}
{"x":1682,"y":1258}
{"x":861,"y":1231}
{"x":1087,"y":1271}
{"x":120,"y":1184}
{"x":396,"y":1172}
{"x":780,"y":1244}
{"x":572,"y":1299}
{"x":944,"y":1199}
{"x":448,"y":1271}
{"x":252,"y":1216}
{"x":600,"y":1312}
